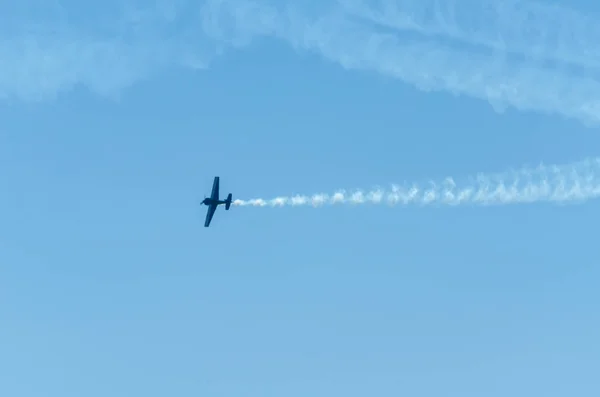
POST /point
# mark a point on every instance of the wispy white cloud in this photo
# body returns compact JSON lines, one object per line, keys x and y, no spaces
{"x":562,"y":184}
{"x":47,"y":48}
{"x":425,"y":64}
{"x":132,"y":42}
{"x":530,"y":28}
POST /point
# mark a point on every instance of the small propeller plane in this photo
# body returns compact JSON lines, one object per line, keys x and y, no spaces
{"x":213,"y":201}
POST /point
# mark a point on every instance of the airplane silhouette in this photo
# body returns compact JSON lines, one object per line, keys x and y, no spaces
{"x":213,"y":202}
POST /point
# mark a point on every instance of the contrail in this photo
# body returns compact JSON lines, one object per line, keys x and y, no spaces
{"x":570,"y":183}
{"x":529,"y":28}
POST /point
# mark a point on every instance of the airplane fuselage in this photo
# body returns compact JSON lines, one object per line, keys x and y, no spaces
{"x":213,"y":201}
{"x":209,"y":201}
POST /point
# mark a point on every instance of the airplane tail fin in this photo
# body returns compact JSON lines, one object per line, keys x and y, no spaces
{"x":228,"y":201}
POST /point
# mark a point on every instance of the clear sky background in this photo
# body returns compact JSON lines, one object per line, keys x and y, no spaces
{"x":114,"y":121}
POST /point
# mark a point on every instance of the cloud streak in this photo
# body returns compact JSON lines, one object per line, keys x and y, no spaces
{"x":532,"y":29}
{"x":422,"y":63}
{"x":561,"y":184}
{"x":112,"y":51}
{"x":47,"y":48}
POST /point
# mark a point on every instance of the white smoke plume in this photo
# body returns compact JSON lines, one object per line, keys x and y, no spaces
{"x":570,"y":183}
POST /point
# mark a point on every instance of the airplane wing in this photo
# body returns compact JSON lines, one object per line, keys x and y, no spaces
{"x":209,"y":214}
{"x":215,"y":189}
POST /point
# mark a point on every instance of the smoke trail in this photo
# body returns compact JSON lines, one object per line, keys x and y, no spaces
{"x":576,"y":182}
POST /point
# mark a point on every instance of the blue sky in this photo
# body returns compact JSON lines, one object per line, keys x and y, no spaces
{"x":114,"y":121}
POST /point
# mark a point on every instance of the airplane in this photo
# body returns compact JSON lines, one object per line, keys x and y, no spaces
{"x":213,"y":202}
